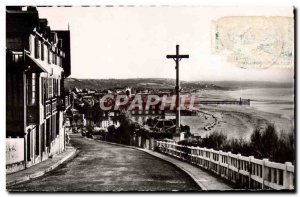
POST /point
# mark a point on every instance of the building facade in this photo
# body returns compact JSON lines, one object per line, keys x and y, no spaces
{"x":37,"y":62}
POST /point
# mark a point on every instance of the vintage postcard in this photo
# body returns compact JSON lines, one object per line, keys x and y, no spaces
{"x":150,"y":98}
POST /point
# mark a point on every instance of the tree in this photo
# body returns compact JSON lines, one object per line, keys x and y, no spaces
{"x":256,"y":142}
{"x":111,"y":132}
{"x":149,"y":122}
{"x":123,"y":133}
{"x":97,"y":113}
{"x":269,"y":140}
{"x":285,"y":148}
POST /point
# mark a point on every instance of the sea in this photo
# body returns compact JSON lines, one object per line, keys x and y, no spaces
{"x":273,"y":100}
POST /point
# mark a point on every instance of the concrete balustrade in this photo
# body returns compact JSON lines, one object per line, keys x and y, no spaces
{"x":245,"y":172}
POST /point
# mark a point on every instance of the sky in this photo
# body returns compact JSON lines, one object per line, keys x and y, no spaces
{"x":132,"y":42}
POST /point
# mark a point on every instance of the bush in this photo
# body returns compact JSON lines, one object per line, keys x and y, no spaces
{"x":255,"y":140}
{"x":238,"y":146}
{"x":126,"y":129}
{"x":285,"y":148}
{"x":216,"y":140}
{"x":150,"y":122}
{"x":263,"y":144}
{"x":269,"y":141}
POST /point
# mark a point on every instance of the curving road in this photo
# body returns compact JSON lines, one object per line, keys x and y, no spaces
{"x":104,"y":167}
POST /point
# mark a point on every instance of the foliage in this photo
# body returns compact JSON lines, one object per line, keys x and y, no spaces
{"x":285,"y":148}
{"x":186,"y":129}
{"x":150,"y":122}
{"x":126,"y":129}
{"x":263,"y":144}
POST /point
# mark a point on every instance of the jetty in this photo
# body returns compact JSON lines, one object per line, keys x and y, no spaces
{"x":225,"y":102}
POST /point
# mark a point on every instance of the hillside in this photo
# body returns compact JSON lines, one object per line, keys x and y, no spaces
{"x":151,"y":83}
{"x":161,"y":83}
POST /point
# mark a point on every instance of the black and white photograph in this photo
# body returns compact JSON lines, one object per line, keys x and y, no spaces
{"x":150,"y":98}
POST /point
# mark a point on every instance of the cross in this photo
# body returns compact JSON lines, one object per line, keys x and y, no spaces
{"x":177,"y":59}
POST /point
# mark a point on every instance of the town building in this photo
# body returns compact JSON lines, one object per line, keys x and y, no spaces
{"x":37,"y":62}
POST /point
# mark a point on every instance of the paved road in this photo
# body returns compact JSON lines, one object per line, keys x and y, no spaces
{"x":104,"y":167}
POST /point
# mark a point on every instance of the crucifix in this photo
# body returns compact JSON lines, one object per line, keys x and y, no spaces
{"x":177,"y":59}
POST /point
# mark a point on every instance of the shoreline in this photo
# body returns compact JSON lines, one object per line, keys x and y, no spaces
{"x":235,"y":121}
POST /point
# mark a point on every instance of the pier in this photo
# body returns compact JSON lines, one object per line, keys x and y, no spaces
{"x":226,"y":102}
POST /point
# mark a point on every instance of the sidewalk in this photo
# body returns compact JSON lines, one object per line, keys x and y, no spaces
{"x":41,"y":168}
{"x":204,"y":179}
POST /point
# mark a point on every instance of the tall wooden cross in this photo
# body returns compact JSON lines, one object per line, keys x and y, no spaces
{"x":177,"y":59}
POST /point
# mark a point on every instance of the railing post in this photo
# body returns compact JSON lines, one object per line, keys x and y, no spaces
{"x":180,"y":151}
{"x":199,"y":161}
{"x":191,"y":150}
{"x":211,"y":158}
{"x":151,"y":143}
{"x":140,"y":141}
{"x":250,"y":171}
{"x":155,"y":145}
{"x":173,"y":150}
{"x":219,"y":162}
{"x":184,"y":153}
{"x":189,"y":153}
{"x":264,"y":172}
{"x":238,"y":169}
{"x":176,"y":146}
{"x":287,"y":178}
{"x":204,"y":156}
{"x":229,"y":163}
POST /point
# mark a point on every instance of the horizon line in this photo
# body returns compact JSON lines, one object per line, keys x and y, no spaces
{"x":203,"y":80}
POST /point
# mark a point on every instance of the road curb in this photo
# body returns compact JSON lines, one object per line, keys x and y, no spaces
{"x":195,"y":179}
{"x":170,"y":162}
{"x":72,"y":154}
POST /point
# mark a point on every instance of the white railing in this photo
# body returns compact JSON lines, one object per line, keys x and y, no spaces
{"x":245,"y":172}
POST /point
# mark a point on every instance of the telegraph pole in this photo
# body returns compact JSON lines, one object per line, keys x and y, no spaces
{"x":177,"y":59}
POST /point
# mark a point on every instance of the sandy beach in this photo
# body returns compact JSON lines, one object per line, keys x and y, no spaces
{"x":234,"y":120}
{"x":239,"y":121}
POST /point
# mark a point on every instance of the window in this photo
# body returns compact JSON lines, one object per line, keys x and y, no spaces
{"x":43,"y":91}
{"x":37,"y":44}
{"x":37,"y":142}
{"x":54,"y":87}
{"x":53,"y":121}
{"x":42,"y":52}
{"x":58,"y":87}
{"x":34,"y":93}
{"x":31,"y":44}
{"x":31,"y":89}
{"x":57,"y":125}
{"x":50,"y":88}
{"x":42,"y":137}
